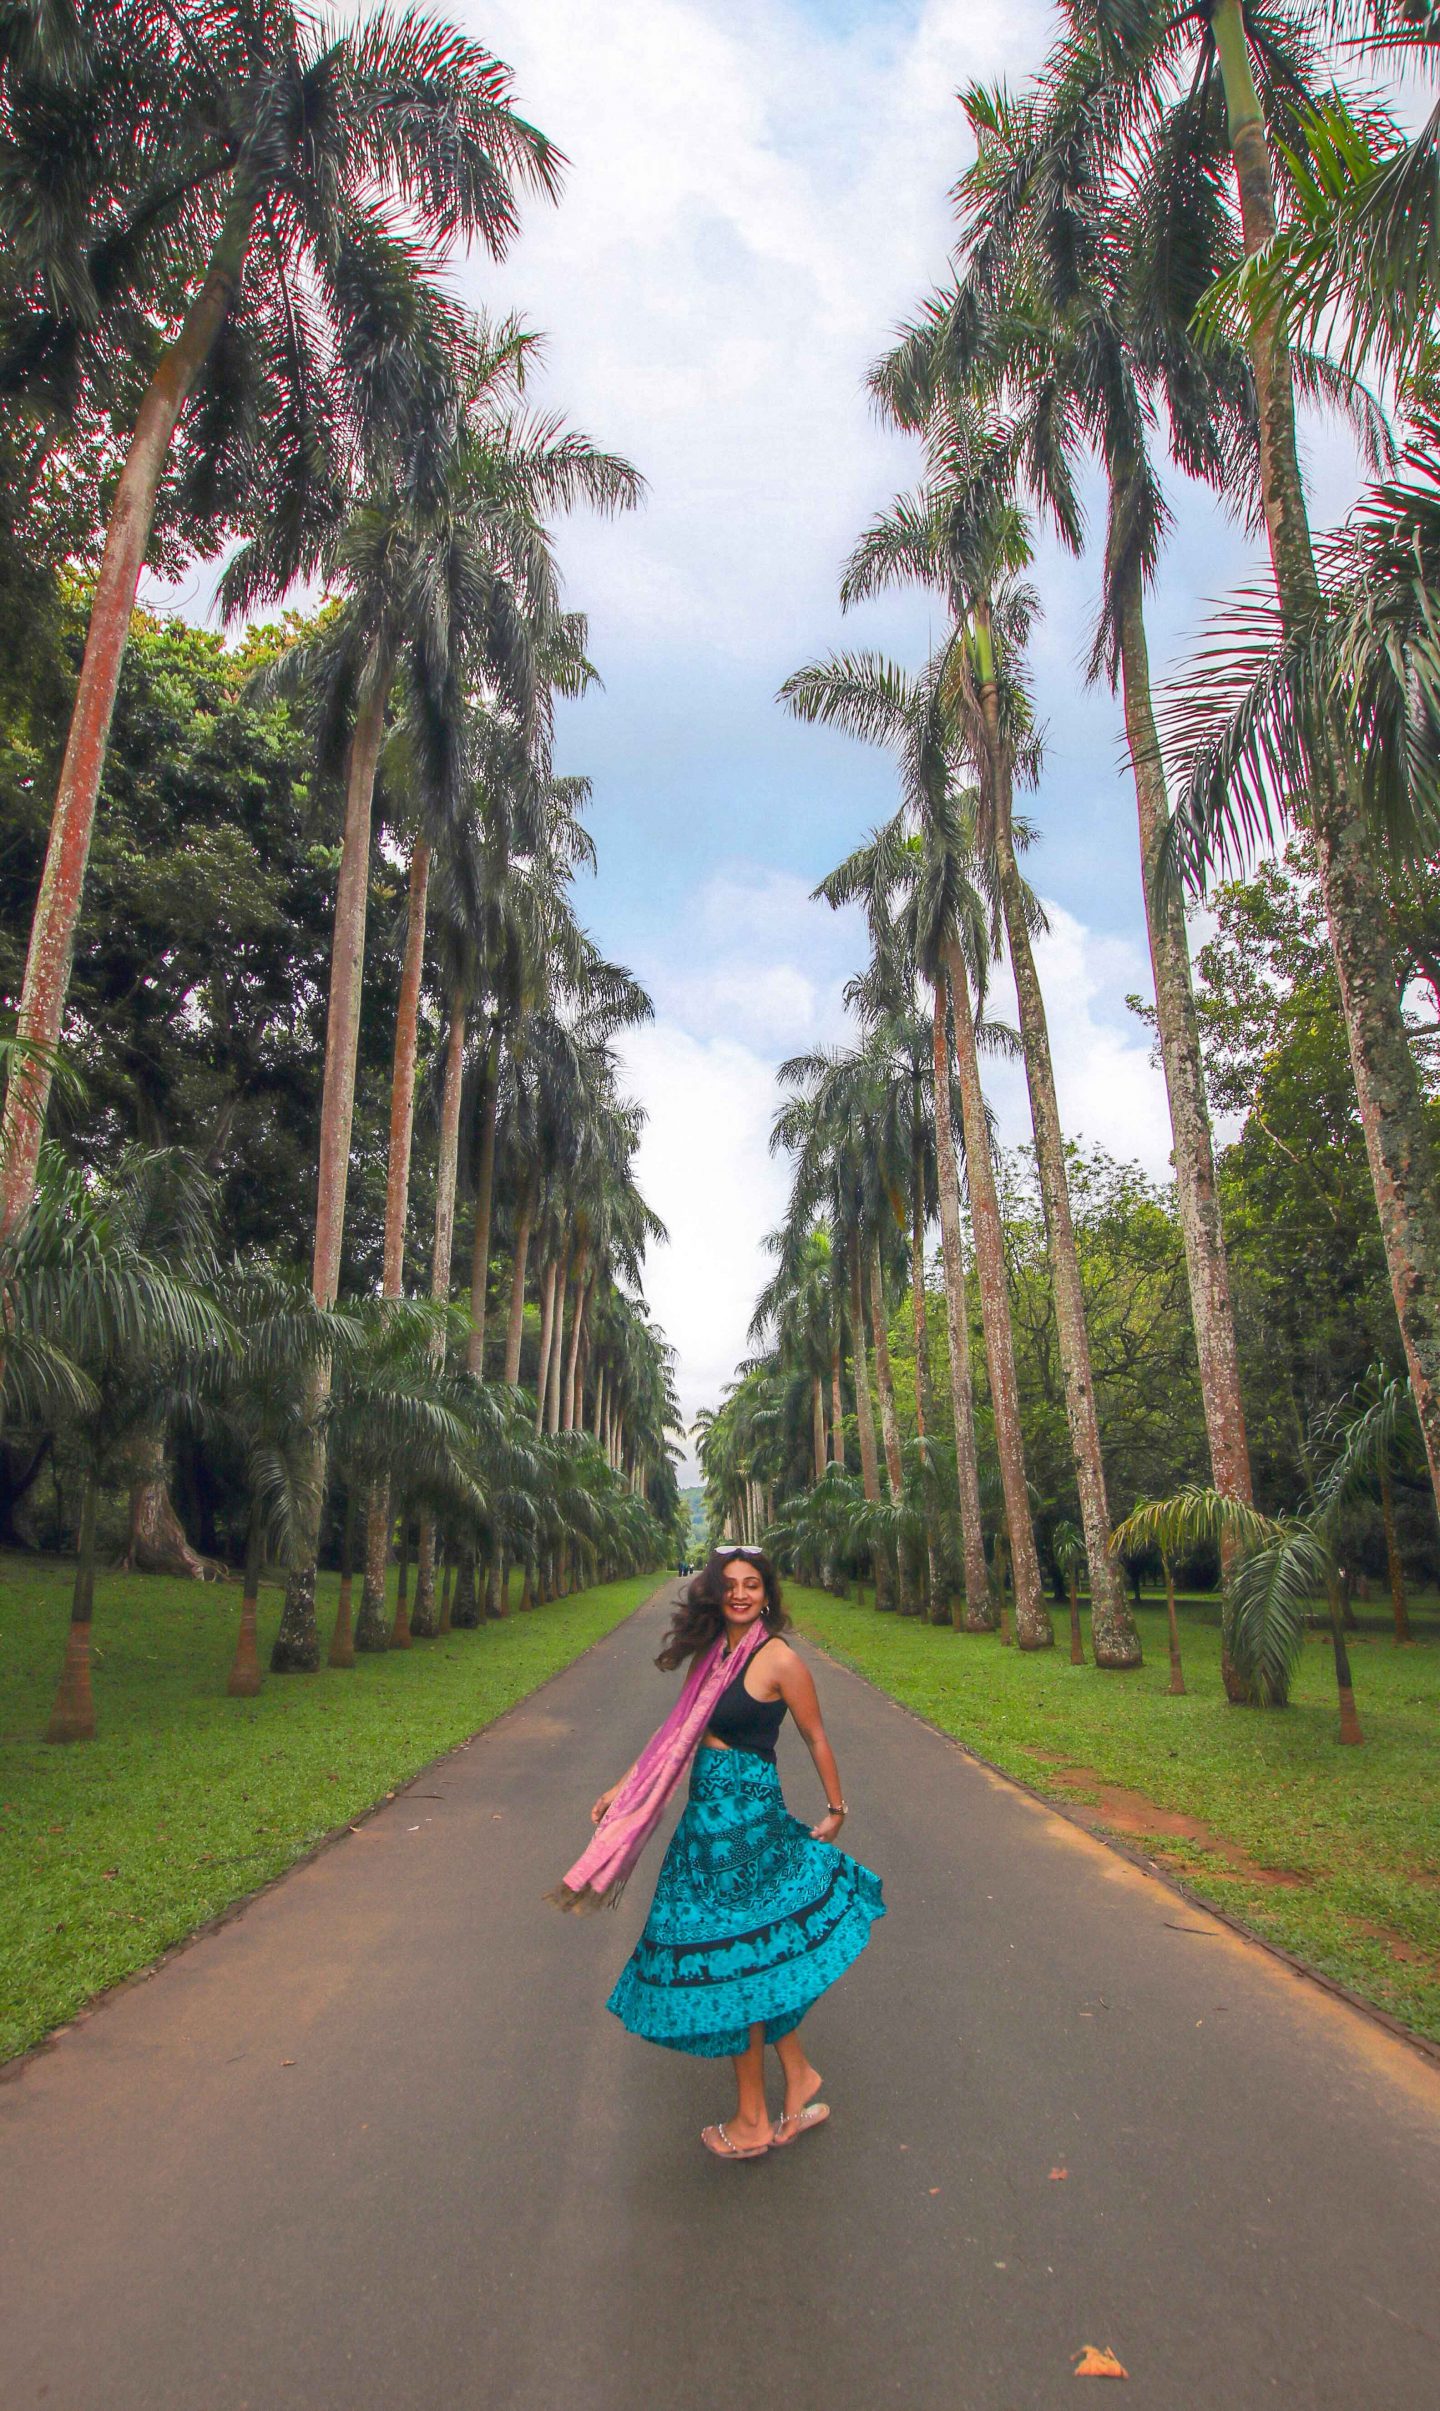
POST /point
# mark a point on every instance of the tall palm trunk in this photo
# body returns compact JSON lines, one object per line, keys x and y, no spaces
{"x":515,"y":1332}
{"x":548,"y":1280}
{"x":372,"y":1630}
{"x":568,"y":1399}
{"x":1387,"y":1085}
{"x":817,"y":1425}
{"x":127,"y":537}
{"x":557,"y":1348}
{"x":837,"y":1400}
{"x":297,"y":1643}
{"x":995,"y":1321}
{"x":975,"y":1613}
{"x":924,"y":1385}
{"x":890,"y":1429}
{"x":424,"y":1615}
{"x":1196,"y":1194}
{"x":864,"y":1413}
{"x":484,"y":1201}
{"x":370,"y":1627}
{"x":402,"y":1077}
{"x":1114,"y":1639}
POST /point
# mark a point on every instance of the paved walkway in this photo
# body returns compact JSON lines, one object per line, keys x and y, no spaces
{"x":375,"y":2146}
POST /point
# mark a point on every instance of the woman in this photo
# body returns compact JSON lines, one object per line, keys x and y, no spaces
{"x":754,"y":1915}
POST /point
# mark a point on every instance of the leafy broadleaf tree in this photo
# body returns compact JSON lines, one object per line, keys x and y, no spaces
{"x":284,"y":186}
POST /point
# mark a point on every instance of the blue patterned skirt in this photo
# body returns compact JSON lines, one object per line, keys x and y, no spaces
{"x":751,"y":1921}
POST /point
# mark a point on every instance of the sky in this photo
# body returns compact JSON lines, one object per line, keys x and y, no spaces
{"x":757,"y":197}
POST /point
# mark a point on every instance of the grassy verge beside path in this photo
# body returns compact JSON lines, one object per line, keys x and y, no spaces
{"x":1333,"y":1853}
{"x":113,"y":1850}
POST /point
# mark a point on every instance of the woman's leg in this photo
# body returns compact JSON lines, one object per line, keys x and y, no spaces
{"x":802,"y":2082}
{"x":751,"y":2123}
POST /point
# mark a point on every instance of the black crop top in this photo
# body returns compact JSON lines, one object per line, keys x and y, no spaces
{"x":747,"y":1723}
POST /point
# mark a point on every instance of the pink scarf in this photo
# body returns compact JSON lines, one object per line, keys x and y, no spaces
{"x":598,"y":1875}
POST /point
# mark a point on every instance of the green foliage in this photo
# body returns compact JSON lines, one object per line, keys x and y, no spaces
{"x":1312,"y":1295}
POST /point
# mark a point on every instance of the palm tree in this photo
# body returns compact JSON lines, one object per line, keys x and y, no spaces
{"x":1148,"y":63}
{"x":947,"y":931}
{"x":102,"y":1311}
{"x":1043,"y":314}
{"x":965,"y":536}
{"x":265,"y":154}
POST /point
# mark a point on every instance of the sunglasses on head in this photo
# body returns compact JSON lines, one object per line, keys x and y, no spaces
{"x":739,"y":1548}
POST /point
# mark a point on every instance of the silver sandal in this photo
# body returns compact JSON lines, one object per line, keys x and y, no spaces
{"x":726,"y":2150}
{"x":814,"y":2113}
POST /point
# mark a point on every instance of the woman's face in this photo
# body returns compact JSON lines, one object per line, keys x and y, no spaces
{"x":744,"y":1591}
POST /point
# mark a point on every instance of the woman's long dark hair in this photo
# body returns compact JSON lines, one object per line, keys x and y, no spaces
{"x":700,"y":1617}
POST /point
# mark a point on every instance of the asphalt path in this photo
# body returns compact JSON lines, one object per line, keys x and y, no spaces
{"x":375,"y":2145}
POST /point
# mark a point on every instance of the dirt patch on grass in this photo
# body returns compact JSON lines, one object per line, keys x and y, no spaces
{"x":1400,"y":1948}
{"x":1118,"y":1810}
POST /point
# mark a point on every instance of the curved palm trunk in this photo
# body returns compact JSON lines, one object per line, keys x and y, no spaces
{"x":62,"y":882}
{"x":1387,"y":1085}
{"x":975,"y":1612}
{"x":1114,"y":1639}
{"x":484,"y":1201}
{"x":297,"y":1643}
{"x":995,"y":1319}
{"x":515,"y":1330}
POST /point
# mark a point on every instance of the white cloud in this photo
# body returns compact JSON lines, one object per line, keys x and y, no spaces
{"x":755,"y":198}
{"x":754,"y":956}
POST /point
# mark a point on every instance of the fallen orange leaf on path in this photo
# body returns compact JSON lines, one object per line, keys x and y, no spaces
{"x":1098,"y":2361}
{"x":1058,"y":2175}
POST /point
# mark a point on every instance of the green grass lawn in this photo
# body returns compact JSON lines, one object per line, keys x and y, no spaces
{"x":112,"y":1850}
{"x":1358,"y":1828}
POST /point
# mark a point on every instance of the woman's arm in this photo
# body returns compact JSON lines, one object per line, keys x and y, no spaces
{"x":797,"y":1689}
{"x":598,"y":1811}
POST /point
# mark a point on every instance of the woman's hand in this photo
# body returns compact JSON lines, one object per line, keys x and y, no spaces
{"x":598,"y":1811}
{"x":828,"y":1829}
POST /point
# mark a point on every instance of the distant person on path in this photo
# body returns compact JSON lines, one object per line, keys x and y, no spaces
{"x":754,"y":1915}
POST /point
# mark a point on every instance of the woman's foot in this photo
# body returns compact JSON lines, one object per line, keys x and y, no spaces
{"x":737,"y":2139}
{"x":801,"y":2090}
{"x":802,"y":2110}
